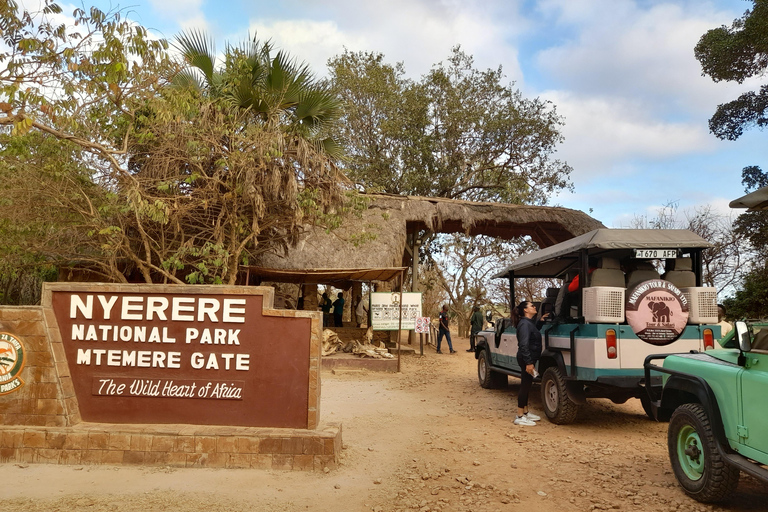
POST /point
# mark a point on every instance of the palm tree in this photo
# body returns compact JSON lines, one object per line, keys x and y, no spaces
{"x":276,"y":91}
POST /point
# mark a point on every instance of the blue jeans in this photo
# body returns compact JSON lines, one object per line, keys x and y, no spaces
{"x":447,"y":335}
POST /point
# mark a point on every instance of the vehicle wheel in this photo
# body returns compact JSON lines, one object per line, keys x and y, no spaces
{"x":487,"y":377}
{"x":558,"y":407}
{"x":699,"y":469}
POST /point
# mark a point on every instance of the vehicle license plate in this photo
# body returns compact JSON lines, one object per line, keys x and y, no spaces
{"x":655,"y":253}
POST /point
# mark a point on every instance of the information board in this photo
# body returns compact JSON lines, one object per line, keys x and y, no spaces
{"x":385,"y":307}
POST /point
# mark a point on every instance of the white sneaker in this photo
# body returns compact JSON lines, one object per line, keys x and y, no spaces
{"x":532,"y":417}
{"x":524,"y":422}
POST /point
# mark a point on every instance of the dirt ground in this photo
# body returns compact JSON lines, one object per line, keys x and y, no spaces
{"x":427,"y":439}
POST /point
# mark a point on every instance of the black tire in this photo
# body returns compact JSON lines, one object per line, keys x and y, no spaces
{"x":698,"y":467}
{"x":558,"y":407}
{"x":645,"y":401}
{"x":488,"y":378}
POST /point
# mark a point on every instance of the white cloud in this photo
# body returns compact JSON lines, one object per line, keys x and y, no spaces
{"x":418,"y":33}
{"x":313,"y":42}
{"x":621,"y":49}
{"x":601,"y":132}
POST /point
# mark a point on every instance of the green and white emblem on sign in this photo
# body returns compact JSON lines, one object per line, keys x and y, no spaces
{"x":11,"y":363}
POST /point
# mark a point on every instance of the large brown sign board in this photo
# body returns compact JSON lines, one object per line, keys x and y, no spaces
{"x":144,"y":355}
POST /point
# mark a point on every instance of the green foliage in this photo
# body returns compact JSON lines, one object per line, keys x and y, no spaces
{"x":735,"y":54}
{"x":753,"y":178}
{"x":751,"y":301}
{"x":121,"y":168}
{"x":274,"y":89}
{"x":458,"y":132}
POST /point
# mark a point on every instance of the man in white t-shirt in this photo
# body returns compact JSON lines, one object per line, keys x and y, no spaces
{"x":361,"y":312}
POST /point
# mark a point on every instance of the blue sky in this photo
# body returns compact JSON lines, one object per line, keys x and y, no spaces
{"x":621,"y":72}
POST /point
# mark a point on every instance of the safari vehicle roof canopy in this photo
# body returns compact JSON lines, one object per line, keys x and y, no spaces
{"x":554,"y":260}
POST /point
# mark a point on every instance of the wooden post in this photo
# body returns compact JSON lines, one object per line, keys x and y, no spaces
{"x":400,"y":322}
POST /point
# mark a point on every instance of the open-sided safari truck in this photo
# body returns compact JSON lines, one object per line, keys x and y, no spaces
{"x":643,"y":295}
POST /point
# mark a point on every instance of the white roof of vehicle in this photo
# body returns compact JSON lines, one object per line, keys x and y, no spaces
{"x":553,"y":260}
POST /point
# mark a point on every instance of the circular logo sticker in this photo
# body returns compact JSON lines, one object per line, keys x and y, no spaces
{"x":657,"y":311}
{"x":11,"y":363}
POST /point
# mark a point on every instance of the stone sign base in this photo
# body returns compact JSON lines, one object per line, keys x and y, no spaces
{"x":173,"y":445}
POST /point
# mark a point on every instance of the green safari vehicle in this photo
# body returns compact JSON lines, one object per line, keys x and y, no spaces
{"x":717,"y":407}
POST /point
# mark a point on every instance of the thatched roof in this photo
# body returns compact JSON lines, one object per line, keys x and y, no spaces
{"x":378,"y":237}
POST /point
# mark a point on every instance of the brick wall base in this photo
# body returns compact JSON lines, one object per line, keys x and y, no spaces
{"x":174,"y":445}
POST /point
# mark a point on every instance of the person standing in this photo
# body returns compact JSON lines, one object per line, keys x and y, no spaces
{"x":476,"y":325}
{"x":325,"y":307}
{"x":338,"y":310}
{"x":444,"y":330}
{"x":361,"y":312}
{"x":725,"y":325}
{"x":528,"y":353}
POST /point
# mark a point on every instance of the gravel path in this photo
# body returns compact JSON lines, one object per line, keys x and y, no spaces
{"x":427,"y":439}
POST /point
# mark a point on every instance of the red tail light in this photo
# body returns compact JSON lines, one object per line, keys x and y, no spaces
{"x":610,"y":344}
{"x":709,"y":339}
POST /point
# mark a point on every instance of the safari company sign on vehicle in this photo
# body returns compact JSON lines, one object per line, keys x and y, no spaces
{"x":657,"y":311}
{"x":201,"y":358}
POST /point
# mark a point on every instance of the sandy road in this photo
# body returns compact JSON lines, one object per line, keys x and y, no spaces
{"x":427,"y":439}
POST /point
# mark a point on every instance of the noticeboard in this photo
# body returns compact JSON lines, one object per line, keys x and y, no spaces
{"x":385,"y":307}
{"x":422,"y":324}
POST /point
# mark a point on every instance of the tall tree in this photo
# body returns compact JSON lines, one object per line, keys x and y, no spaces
{"x":145,"y":178}
{"x":464,"y":267}
{"x":458,"y":132}
{"x":734,"y":54}
{"x":751,"y":299}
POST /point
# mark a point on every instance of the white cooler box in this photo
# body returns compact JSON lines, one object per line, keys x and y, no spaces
{"x":603,"y":304}
{"x":702,"y":304}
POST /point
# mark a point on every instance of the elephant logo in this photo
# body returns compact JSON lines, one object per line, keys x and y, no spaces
{"x":661,"y":312}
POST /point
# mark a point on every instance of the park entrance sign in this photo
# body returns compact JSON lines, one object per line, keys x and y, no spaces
{"x":202,"y":355}
{"x":163,"y":375}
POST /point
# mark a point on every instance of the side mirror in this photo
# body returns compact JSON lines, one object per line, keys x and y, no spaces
{"x":742,"y":337}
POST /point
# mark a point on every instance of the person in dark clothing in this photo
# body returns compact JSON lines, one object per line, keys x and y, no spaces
{"x":325,"y":307}
{"x":338,"y":310}
{"x":528,"y":353}
{"x":476,"y":325}
{"x":444,"y":330}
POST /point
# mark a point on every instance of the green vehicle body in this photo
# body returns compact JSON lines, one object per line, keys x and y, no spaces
{"x":727,"y":389}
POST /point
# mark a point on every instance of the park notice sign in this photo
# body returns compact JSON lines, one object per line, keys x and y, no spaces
{"x":422,"y":324}
{"x":386,"y":307}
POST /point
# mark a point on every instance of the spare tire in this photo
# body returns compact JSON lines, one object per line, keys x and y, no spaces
{"x":657,"y":311}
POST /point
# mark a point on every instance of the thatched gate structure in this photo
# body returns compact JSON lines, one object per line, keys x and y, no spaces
{"x":387,"y":234}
